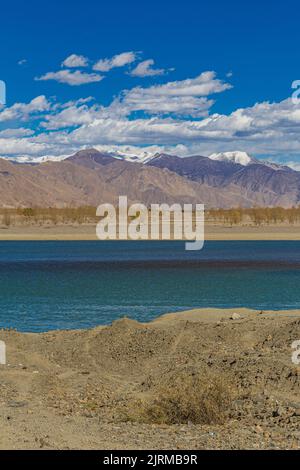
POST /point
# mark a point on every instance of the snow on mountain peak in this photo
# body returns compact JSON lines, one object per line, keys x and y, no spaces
{"x":241,"y":158}
{"x":129,"y":153}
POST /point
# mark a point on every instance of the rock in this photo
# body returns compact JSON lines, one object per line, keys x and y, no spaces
{"x":235,"y":316}
{"x":17,"y":404}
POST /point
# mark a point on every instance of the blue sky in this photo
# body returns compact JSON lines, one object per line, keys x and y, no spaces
{"x":252,"y":48}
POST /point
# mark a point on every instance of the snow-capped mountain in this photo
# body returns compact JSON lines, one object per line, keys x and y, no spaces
{"x":129,"y":153}
{"x":151,"y":154}
{"x":244,"y":159}
{"x":90,"y":177}
{"x":256,"y":181}
{"x":120,"y":152}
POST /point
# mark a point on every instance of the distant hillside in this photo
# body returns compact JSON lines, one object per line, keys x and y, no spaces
{"x":90,"y":177}
{"x":255,"y":183}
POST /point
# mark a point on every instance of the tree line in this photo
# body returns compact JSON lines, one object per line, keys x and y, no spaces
{"x":255,"y":216}
{"x":87,"y":214}
{"x":49,"y":215}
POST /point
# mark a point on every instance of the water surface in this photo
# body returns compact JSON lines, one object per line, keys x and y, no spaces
{"x":59,"y":285}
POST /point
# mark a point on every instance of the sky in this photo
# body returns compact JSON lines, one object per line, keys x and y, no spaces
{"x":188,"y":77}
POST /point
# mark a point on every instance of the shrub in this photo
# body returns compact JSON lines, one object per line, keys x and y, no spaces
{"x":199,"y":397}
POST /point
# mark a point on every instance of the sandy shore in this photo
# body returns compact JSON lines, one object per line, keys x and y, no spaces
{"x":212,"y":232}
{"x":203,"y":379}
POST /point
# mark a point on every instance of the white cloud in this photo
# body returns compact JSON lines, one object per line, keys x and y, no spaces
{"x":155,"y":100}
{"x":22,"y":62}
{"x":75,"y":60}
{"x":265,"y":129}
{"x":71,"y":116}
{"x":181,"y":97}
{"x":71,"y":78}
{"x":119,"y":60}
{"x":145,"y":69}
{"x":19,"y":132}
{"x":177,"y":105}
{"x":205,"y":84}
{"x":22,"y":111}
{"x":19,"y":147}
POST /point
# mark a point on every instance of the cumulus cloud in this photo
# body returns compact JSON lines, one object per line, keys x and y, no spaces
{"x":22,"y":111}
{"x":75,"y":60}
{"x":119,"y":60}
{"x":145,"y":69}
{"x":265,"y":128}
{"x":19,"y":147}
{"x":205,"y":84}
{"x":174,"y":115}
{"x":198,"y":137}
{"x":71,"y":78}
{"x":181,"y":97}
{"x":72,"y":115}
{"x":18,"y":132}
{"x":177,"y":105}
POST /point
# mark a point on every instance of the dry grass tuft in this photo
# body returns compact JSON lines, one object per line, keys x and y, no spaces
{"x":186,"y":396}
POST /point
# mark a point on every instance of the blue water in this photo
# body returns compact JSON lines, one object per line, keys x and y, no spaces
{"x":60,"y":285}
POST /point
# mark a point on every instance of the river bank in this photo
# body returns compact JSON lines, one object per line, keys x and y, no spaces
{"x":115,"y":387}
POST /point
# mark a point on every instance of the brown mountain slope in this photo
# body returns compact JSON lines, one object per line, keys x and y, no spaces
{"x":69,"y":183}
{"x":259,"y":183}
{"x":91,"y":178}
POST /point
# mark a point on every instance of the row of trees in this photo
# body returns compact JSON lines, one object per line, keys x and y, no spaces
{"x":256,"y":215}
{"x":50,"y":215}
{"x":87,"y":214}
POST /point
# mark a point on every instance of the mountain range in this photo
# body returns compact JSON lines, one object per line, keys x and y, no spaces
{"x":90,"y":177}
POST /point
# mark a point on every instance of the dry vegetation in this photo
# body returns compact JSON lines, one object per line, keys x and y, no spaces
{"x":203,"y":379}
{"x":255,"y":216}
{"x":87,"y":214}
{"x":47,"y":216}
{"x":187,"y":395}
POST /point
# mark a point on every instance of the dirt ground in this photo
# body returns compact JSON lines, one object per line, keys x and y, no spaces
{"x":124,"y":386}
